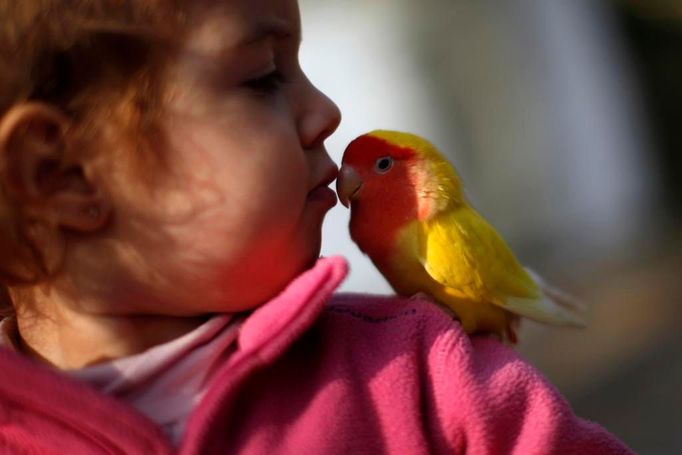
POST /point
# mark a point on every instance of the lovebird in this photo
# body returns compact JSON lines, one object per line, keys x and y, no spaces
{"x":410,"y":216}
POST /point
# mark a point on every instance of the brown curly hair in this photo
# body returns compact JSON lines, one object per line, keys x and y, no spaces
{"x":87,"y":58}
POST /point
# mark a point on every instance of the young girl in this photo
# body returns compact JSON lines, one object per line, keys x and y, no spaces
{"x":163,"y":182}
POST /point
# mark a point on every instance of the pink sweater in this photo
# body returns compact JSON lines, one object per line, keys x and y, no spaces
{"x":310,"y":375}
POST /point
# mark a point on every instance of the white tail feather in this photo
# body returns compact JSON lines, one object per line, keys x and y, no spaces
{"x":554,"y":307}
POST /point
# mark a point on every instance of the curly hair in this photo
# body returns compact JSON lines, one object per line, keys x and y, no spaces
{"x":87,"y":58}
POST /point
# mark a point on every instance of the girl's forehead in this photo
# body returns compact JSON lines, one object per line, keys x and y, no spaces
{"x":238,"y":22}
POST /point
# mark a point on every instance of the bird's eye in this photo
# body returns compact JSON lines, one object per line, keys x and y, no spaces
{"x":383,"y":164}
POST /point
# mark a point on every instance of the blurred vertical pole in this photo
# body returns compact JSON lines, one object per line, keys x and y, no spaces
{"x":600,"y":164}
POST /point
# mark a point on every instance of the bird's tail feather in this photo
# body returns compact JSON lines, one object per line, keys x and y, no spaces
{"x":553,"y":307}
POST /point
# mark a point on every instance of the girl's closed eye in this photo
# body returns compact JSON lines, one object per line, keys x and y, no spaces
{"x":268,"y":83}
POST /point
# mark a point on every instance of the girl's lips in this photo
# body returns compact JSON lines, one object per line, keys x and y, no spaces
{"x":323,"y":195}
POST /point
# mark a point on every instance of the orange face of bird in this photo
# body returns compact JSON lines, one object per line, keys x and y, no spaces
{"x":376,"y":181}
{"x":377,"y":175}
{"x":391,"y":179}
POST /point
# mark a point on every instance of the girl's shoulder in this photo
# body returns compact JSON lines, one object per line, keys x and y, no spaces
{"x":419,"y":337}
{"x":417,"y":341}
{"x":414,"y":323}
{"x":472,"y":390}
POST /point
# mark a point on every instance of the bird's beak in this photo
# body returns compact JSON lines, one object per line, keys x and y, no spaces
{"x":348,"y":185}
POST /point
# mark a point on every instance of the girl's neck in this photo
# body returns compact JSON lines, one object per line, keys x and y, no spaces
{"x":69,"y":339}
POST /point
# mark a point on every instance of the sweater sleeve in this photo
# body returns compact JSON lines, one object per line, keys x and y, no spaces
{"x":490,"y":401}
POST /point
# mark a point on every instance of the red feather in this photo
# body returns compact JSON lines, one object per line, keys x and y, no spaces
{"x":388,"y":202}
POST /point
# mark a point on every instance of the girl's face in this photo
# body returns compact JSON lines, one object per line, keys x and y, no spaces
{"x":238,"y":203}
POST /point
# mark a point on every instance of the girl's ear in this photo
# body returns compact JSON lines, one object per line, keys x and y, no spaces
{"x":39,"y":175}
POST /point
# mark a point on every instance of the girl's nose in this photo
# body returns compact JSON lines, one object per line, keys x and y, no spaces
{"x":319,"y":120}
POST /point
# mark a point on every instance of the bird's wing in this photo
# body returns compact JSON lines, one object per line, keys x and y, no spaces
{"x":461,"y":250}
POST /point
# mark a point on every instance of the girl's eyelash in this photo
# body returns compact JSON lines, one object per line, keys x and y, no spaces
{"x":266,"y":84}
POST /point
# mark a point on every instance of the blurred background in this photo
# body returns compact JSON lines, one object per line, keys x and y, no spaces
{"x":564,"y":119}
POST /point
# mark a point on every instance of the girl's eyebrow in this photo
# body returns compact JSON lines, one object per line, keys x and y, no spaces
{"x":265,"y":28}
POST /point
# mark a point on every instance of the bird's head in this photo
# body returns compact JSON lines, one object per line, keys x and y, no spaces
{"x":394,"y":168}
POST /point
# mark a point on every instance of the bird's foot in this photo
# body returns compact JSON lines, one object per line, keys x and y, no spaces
{"x":423,"y":296}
